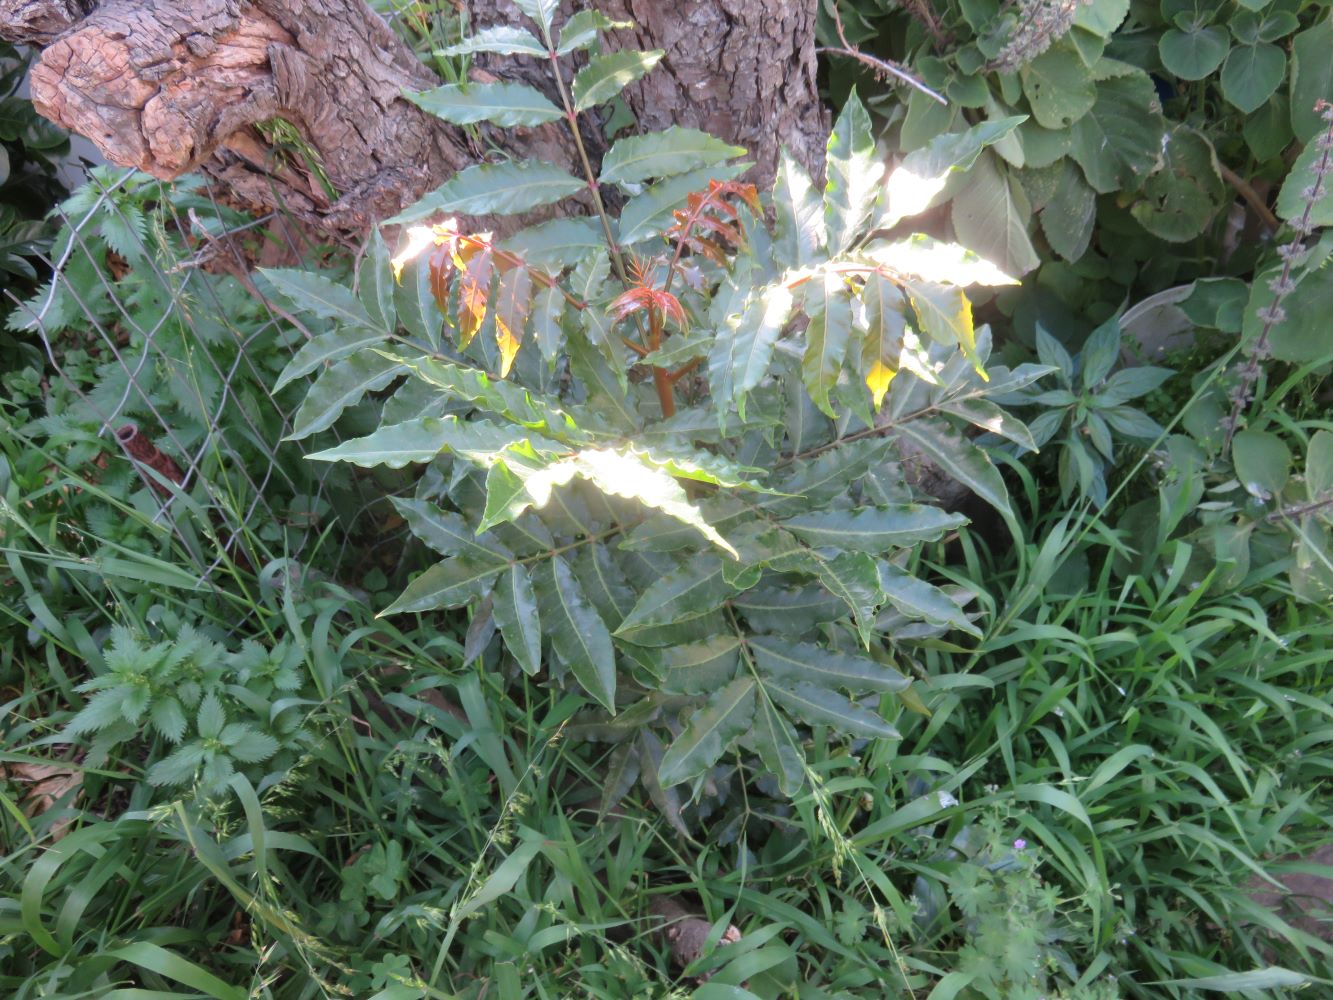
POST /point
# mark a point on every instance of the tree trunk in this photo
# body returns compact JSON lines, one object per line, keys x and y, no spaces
{"x":297,"y":104}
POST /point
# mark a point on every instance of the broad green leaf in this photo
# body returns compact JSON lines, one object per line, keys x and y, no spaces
{"x":788,"y":611}
{"x":945,"y":315}
{"x":518,"y":617}
{"x":606,"y":76}
{"x":420,"y":440}
{"x":827,"y":338}
{"x":821,"y":707}
{"x":918,"y":599}
{"x":416,"y":306}
{"x":1194,"y":53}
{"x":853,"y":577}
{"x":799,"y":230}
{"x":1181,"y":198}
{"x":1268,"y":131}
{"x":504,"y":104}
{"x":709,"y":733}
{"x":1252,"y":73}
{"x":1319,"y":466}
{"x":649,"y":214}
{"x":915,"y":184}
{"x":853,"y":170}
{"x":497,"y":396}
{"x":676,"y":150}
{"x":1067,"y":218}
{"x":211,"y":718}
{"x":691,"y":590}
{"x":947,"y":263}
{"x":1291,"y":200}
{"x":448,"y":584}
{"x":168,"y":964}
{"x":794,"y":662}
{"x":1101,"y":17}
{"x":777,"y":746}
{"x":494,"y":189}
{"x":447,"y":533}
{"x":326,"y":348}
{"x":700,"y":667}
{"x":547,"y":308}
{"x":540,"y":11}
{"x":961,"y":459}
{"x":499,"y":883}
{"x":988,"y":416}
{"x":1059,"y":86}
{"x":1118,"y":143}
{"x":343,"y":384}
{"x":990,"y":217}
{"x":578,"y":634}
{"x":1311,"y":77}
{"x":500,"y":39}
{"x":375,"y":284}
{"x":557,"y":244}
{"x":1305,"y":334}
{"x":1263,"y":462}
{"x":321,"y":296}
{"x":583,"y":30}
{"x":1268,"y":978}
{"x":873,"y":529}
{"x":742,"y":346}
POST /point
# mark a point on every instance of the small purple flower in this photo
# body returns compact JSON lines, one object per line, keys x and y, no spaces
{"x":1020,"y":844}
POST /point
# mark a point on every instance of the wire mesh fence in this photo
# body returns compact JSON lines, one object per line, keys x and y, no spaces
{"x":159,"y":351}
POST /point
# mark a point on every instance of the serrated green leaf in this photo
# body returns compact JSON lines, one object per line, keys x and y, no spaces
{"x":447,"y":533}
{"x":743,"y":344}
{"x":799,"y":231}
{"x":873,"y":529}
{"x":519,"y":618}
{"x":499,"y":39}
{"x":853,"y":578}
{"x":1194,"y":53}
{"x":211,"y":717}
{"x":990,"y":217}
{"x":1059,"y":88}
{"x":578,"y":634}
{"x":1118,"y":142}
{"x":1252,"y":73}
{"x":775,"y":742}
{"x":709,"y":733}
{"x":416,"y":306}
{"x":503,"y":104}
{"x":676,"y":150}
{"x":700,"y":667}
{"x":343,"y":384}
{"x":540,"y":413}
{"x":827,"y":338}
{"x":945,"y":315}
{"x":986,"y":415}
{"x":792,"y":662}
{"x":1067,"y":218}
{"x":583,"y":30}
{"x":420,"y":440}
{"x":961,"y":459}
{"x":853,"y":171}
{"x":494,"y":189}
{"x":327,"y":348}
{"x":919,"y":599}
{"x":448,"y":584}
{"x":319,"y":295}
{"x":789,"y":611}
{"x":541,"y":11}
{"x":557,"y":244}
{"x":606,"y":76}
{"x":375,"y":285}
{"x":649,"y":214}
{"x":821,"y":707}
{"x":916,"y":183}
{"x":932,"y":260}
{"x":692,"y":589}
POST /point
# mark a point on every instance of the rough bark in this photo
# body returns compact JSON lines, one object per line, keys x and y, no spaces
{"x":170,"y":86}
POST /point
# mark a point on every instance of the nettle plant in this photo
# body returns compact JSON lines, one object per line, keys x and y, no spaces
{"x":661,"y":451}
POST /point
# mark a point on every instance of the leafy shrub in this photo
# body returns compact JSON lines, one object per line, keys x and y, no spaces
{"x":760,"y":369}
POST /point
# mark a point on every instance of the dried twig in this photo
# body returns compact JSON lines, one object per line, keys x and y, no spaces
{"x":880,"y":67}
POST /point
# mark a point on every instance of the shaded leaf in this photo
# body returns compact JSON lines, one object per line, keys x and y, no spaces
{"x":709,"y":733}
